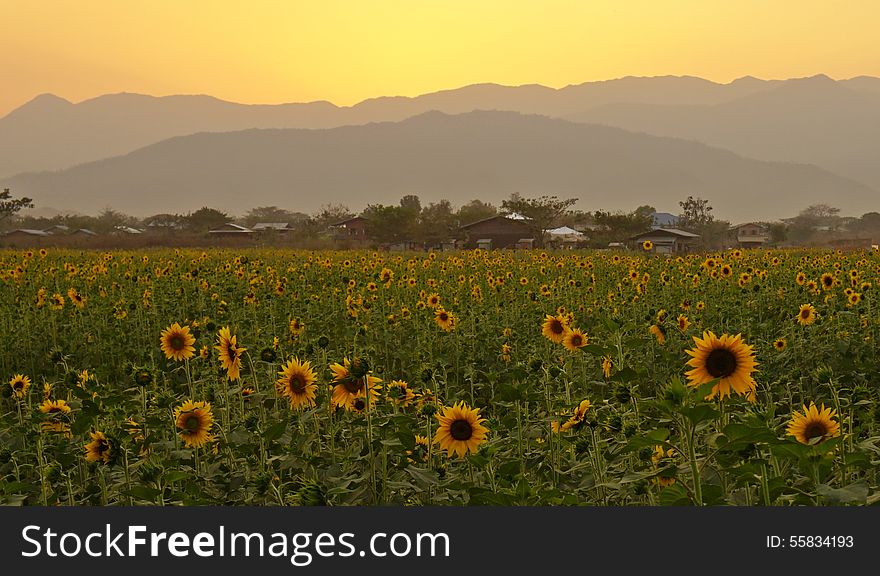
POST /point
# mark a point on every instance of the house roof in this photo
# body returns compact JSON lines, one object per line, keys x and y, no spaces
{"x":29,"y":232}
{"x":670,"y":231}
{"x":496,"y":217}
{"x":230,"y":227}
{"x":348,"y":220}
{"x":564,"y":231}
{"x":85,"y":231}
{"x":271,"y":226}
{"x":735,"y":226}
{"x":129,"y":230}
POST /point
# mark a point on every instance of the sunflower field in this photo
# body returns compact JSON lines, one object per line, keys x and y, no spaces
{"x":278,"y":377}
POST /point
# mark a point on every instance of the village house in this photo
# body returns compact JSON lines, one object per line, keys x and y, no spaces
{"x":353,"y":229}
{"x":231,"y":230}
{"x":666,"y":240}
{"x":497,"y":232}
{"x":749,"y":235}
{"x":272,"y":227}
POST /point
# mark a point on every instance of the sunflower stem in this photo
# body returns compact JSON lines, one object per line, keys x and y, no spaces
{"x":695,"y":471}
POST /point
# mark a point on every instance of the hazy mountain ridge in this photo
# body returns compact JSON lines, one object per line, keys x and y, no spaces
{"x":486,"y":155}
{"x":50,"y":133}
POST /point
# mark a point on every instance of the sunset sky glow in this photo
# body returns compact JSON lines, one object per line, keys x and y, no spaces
{"x":272,"y":51}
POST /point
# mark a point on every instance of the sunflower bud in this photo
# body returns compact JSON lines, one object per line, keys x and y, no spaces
{"x":268,"y":355}
{"x":323,"y":342}
{"x":311,"y":494}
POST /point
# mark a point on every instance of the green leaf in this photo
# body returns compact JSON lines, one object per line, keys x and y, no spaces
{"x":423,"y":477}
{"x":699,"y":413}
{"x":275,"y":431}
{"x":176,"y":476}
{"x":856,"y":493}
{"x":142,"y":493}
{"x":674,"y":495}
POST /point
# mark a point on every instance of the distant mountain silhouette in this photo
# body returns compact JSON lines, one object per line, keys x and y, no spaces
{"x":484,"y":154}
{"x":49,"y":133}
{"x":832,"y":124}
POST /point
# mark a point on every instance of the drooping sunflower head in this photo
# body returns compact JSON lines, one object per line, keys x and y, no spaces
{"x":461,"y":430}
{"x":229,"y":353}
{"x":554,"y":328}
{"x":19,"y":384}
{"x":400,"y":393}
{"x":813,"y":425}
{"x":99,"y":449}
{"x":659,"y":333}
{"x":194,"y":420}
{"x":683,"y":322}
{"x":727,"y":359}
{"x":177,"y":342}
{"x":297,"y":383}
{"x":575,"y":339}
{"x":806,"y":315}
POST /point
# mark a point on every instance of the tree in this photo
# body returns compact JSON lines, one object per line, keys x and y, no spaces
{"x":778,"y":232}
{"x":541,"y":213}
{"x":438,"y":223}
{"x":387,"y":224}
{"x":272,"y":214}
{"x":10,"y":206}
{"x":205,"y":219}
{"x":695,"y":215}
{"x":474,"y":211}
{"x":618,"y":226}
{"x":330,"y":214}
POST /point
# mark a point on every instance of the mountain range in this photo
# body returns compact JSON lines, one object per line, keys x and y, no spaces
{"x":484,"y":154}
{"x":798,"y":140}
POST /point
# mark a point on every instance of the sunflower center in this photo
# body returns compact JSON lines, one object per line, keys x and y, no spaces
{"x":815,"y":430}
{"x":444,"y":316}
{"x":297,"y":384}
{"x":192,"y":423}
{"x":461,"y":430}
{"x":576,"y":340}
{"x":18,"y":385}
{"x":359,"y":404}
{"x":353,"y":385}
{"x":805,"y":313}
{"x":721,"y":363}
{"x":103,"y":446}
{"x":176,"y":342}
{"x":556,"y":327}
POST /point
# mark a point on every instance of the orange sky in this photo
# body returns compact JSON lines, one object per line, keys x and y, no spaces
{"x":272,"y":51}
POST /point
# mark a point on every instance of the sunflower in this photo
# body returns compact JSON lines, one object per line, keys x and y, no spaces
{"x":728,"y":359}
{"x":349,"y":388}
{"x":55,"y":407}
{"x":827,"y":280}
{"x":663,"y":457}
{"x":297,"y":383}
{"x":607,"y":365}
{"x":647,"y":245}
{"x":177,"y":342}
{"x":580,"y":414}
{"x":433,"y":301}
{"x":98,"y":450}
{"x":194,"y":420}
{"x":806,"y":315}
{"x":575,"y":339}
{"x":420,"y":451}
{"x":683,"y":322}
{"x":400,"y":393}
{"x":658,"y":333}
{"x":229,"y":354}
{"x":814,"y":425}
{"x":854,"y":298}
{"x":20,"y":384}
{"x":460,"y":431}
{"x":444,"y":319}
{"x":554,"y":328}
{"x":295,"y":327}
{"x":780,"y":344}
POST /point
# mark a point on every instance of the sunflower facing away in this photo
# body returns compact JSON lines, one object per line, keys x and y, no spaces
{"x":229,"y":353}
{"x":194,"y":420}
{"x":177,"y":342}
{"x":814,"y":425}
{"x":806,"y":315}
{"x":575,"y":339}
{"x":20,"y":385}
{"x":554,"y":328}
{"x":297,"y":383}
{"x":98,"y":450}
{"x":461,"y":430}
{"x":349,"y":388}
{"x":728,"y":359}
